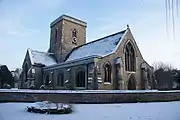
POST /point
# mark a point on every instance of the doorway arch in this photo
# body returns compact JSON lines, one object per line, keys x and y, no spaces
{"x":132,"y":83}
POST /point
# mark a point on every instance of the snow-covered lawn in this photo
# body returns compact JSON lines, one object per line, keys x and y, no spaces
{"x":133,"y":111}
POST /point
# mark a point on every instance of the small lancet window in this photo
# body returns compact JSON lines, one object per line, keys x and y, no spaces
{"x":74,"y":33}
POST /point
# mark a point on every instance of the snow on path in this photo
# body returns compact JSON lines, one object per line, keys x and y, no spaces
{"x":133,"y":111}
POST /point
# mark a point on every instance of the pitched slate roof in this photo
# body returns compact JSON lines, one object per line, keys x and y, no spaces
{"x":101,"y":47}
{"x":38,"y":57}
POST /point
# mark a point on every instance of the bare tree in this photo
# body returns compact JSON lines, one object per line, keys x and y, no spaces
{"x":161,"y":65}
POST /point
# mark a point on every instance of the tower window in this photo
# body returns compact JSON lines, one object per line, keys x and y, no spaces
{"x":74,"y":36}
{"x":129,"y":57}
{"x":56,"y":34}
{"x":74,"y":33}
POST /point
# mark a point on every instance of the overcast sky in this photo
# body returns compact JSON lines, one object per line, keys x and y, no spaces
{"x":26,"y":24}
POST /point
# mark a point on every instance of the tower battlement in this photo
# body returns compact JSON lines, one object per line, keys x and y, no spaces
{"x":68,"y":18}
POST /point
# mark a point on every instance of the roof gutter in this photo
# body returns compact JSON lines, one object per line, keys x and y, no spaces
{"x":71,"y":62}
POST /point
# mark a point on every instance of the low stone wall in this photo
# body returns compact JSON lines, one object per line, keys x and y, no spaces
{"x":89,"y":97}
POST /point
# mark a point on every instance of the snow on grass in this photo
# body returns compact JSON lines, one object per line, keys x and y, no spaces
{"x":133,"y":111}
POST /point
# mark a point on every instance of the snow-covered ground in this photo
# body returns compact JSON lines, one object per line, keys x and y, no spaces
{"x":133,"y":111}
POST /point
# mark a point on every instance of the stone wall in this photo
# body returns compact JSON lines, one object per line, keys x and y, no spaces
{"x":70,"y":71}
{"x":89,"y":97}
{"x":125,"y":75}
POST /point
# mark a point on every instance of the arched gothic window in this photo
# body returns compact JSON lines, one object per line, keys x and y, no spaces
{"x":26,"y":73}
{"x":149,"y":78}
{"x":47,"y":80}
{"x":60,"y":80}
{"x":80,"y":78}
{"x":130,"y":58}
{"x":107,"y":72}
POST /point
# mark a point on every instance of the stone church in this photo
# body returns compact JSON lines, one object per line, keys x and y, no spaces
{"x":113,"y":62}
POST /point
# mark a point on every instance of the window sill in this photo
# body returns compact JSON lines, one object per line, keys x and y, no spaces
{"x":107,"y":83}
{"x":60,"y":86}
{"x":130,"y":71}
{"x":99,"y":81}
{"x":80,"y":88}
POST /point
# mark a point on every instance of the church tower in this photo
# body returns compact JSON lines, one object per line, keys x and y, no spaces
{"x":66,"y":33}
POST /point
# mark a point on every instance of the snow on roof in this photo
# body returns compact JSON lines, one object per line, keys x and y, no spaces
{"x":44,"y":58}
{"x":100,"y":47}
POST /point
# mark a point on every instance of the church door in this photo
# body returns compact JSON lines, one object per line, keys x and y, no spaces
{"x":132,"y":83}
